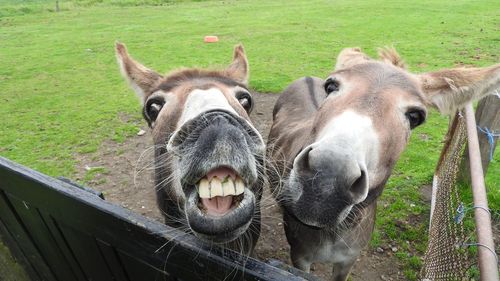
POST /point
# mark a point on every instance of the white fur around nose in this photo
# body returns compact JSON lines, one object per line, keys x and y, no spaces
{"x":353,"y":135}
{"x":200,"y":101}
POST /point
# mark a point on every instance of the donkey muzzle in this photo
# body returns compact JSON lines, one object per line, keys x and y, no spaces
{"x":330,"y":181}
{"x":219,"y":156}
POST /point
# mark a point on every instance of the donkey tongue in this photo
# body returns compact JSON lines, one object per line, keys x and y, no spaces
{"x":218,"y":205}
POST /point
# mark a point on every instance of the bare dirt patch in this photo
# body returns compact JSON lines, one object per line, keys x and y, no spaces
{"x":123,"y":172}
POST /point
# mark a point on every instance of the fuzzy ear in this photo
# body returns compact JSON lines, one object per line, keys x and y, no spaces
{"x":451,"y":89}
{"x":391,"y":56}
{"x":239,"y":69}
{"x":349,"y":57}
{"x":141,"y":79}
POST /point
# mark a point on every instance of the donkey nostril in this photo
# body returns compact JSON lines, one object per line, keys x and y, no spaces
{"x":306,"y":163}
{"x":302,"y":163}
{"x":359,"y":187}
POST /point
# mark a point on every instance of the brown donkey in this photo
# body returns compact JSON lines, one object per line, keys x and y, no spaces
{"x":208,"y":156}
{"x":335,"y":143}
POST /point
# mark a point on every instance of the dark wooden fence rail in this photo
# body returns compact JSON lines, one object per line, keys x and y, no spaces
{"x":59,"y":231}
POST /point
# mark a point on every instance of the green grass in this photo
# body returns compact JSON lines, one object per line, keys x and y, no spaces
{"x":61,"y":93}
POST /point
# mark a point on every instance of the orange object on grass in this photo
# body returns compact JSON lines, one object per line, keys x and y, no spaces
{"x":211,"y":39}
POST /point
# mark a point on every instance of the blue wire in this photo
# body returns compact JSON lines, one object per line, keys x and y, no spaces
{"x":491,"y":138}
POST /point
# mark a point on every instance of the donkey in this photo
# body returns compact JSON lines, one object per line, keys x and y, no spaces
{"x":335,"y":142}
{"x":208,"y":156}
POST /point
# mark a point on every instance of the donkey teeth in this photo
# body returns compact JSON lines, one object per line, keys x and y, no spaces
{"x":239,"y":187}
{"x":216,"y":188}
{"x":204,"y":189}
{"x":228,"y":187}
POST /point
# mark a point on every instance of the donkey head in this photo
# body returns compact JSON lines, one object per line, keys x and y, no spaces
{"x":361,"y":126}
{"x":208,"y":156}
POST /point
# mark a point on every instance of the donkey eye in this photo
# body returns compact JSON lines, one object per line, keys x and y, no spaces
{"x":245,"y":100}
{"x":415,"y":117}
{"x":331,"y":85}
{"x":153,"y":108}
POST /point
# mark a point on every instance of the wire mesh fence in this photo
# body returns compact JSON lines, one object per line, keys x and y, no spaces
{"x":446,"y":258}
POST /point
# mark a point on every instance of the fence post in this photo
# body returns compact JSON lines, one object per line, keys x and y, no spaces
{"x":486,"y":249}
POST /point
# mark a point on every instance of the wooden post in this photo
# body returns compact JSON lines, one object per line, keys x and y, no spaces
{"x":487,"y":116}
{"x":487,"y":258}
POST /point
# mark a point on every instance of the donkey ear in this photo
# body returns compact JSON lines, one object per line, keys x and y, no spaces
{"x":349,"y":57}
{"x":141,"y":79}
{"x":239,"y":69}
{"x":391,"y":56}
{"x":451,"y":89}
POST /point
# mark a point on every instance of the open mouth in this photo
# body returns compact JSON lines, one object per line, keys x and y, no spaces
{"x":221,"y":207}
{"x":219,"y":175}
{"x":220,"y":191}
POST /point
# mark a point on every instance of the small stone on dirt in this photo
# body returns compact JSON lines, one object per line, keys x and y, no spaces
{"x":141,"y":133}
{"x":88,"y":168}
{"x":380,"y":250}
{"x":394,"y":249}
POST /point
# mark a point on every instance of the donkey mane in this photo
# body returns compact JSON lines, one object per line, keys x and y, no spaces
{"x":178,"y":77}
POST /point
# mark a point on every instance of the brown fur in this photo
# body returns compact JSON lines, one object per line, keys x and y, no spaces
{"x":148,"y":81}
{"x":182,"y":81}
{"x":382,"y":90}
{"x":167,"y":121}
{"x":451,"y":89}
{"x":139,"y":77}
{"x":176,"y":170}
{"x":391,"y":56}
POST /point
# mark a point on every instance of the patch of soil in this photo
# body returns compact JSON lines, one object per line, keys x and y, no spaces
{"x":125,"y":178}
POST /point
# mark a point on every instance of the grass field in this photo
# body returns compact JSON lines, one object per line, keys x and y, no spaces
{"x":61,"y":93}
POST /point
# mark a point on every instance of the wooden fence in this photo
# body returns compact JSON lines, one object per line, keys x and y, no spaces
{"x":58,"y":231}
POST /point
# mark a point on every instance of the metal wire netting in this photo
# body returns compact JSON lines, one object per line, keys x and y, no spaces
{"x":445,"y":259}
